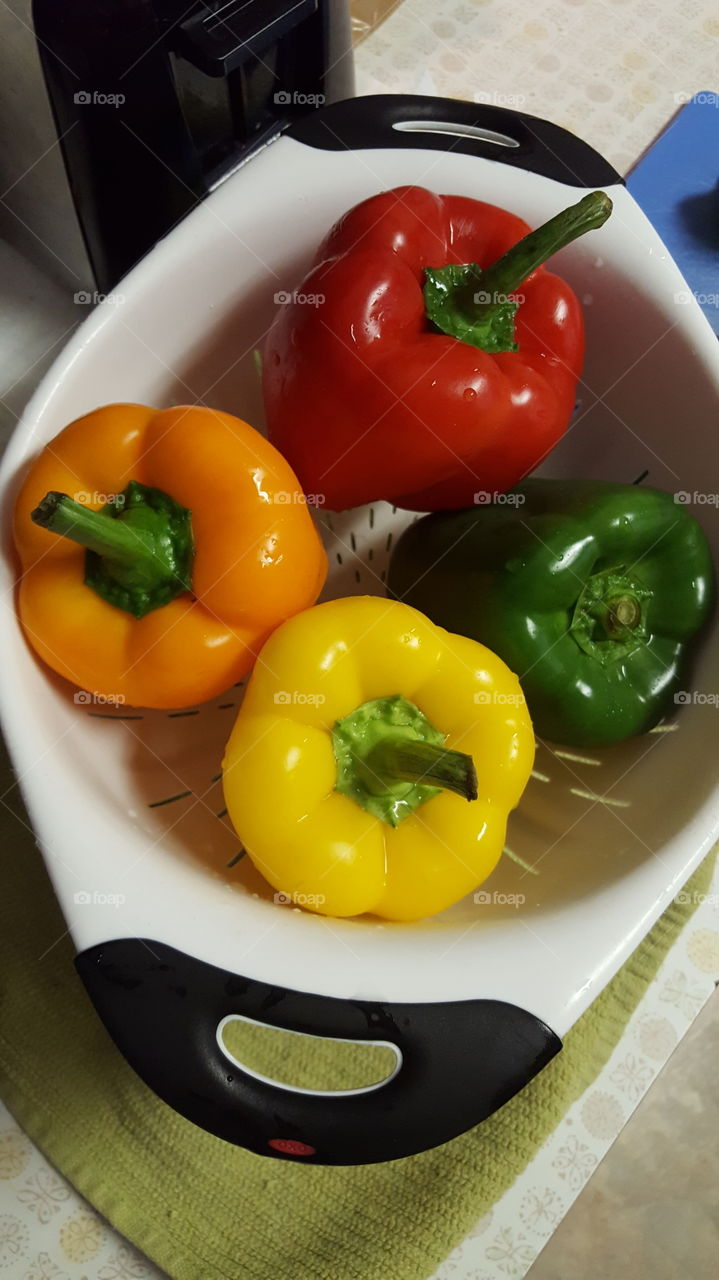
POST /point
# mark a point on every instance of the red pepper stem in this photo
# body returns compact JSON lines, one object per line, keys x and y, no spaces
{"x":505,"y":275}
{"x":398,"y":759}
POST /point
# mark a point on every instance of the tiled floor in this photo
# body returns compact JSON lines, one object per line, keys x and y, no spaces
{"x":651,"y":1211}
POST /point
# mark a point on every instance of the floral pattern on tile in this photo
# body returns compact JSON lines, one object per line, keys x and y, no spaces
{"x":569,"y":1157}
{"x":15,"y":1151}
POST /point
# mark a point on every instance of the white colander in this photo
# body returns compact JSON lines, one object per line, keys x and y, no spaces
{"x":127,"y":804}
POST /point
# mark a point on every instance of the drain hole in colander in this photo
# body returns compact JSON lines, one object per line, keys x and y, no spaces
{"x":307,"y":1063}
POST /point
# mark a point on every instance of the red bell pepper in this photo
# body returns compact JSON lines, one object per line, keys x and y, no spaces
{"x":428,"y":355}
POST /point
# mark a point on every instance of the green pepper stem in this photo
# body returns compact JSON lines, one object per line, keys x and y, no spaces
{"x":398,"y":759}
{"x":70,"y":519}
{"x":623,"y":613}
{"x":610,"y":617}
{"x":511,"y":270}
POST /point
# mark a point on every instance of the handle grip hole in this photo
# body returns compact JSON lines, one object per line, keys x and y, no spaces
{"x":456,"y":131}
{"x":303,"y":1063}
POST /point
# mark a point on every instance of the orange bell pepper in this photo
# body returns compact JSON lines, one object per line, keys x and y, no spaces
{"x":187,"y":540}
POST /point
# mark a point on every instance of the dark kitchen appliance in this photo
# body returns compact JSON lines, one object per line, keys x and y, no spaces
{"x":156,"y":102}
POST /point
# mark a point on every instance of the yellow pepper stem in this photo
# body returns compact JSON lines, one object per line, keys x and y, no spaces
{"x":390,"y":759}
{"x":400,"y":759}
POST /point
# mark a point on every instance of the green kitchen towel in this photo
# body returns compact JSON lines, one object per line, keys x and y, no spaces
{"x":204,"y":1210}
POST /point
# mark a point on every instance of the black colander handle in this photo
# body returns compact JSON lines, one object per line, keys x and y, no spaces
{"x":460,"y":1060}
{"x":468,"y":128}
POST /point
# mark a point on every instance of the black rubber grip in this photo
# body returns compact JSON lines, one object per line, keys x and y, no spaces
{"x":461,"y":1060}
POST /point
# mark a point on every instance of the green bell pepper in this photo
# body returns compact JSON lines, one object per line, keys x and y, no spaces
{"x":593,"y":593}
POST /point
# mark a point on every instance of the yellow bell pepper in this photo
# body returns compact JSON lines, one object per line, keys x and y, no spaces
{"x":363,"y":737}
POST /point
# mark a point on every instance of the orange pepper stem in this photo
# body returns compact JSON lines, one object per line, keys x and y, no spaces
{"x":61,"y":514}
{"x":139,"y":549}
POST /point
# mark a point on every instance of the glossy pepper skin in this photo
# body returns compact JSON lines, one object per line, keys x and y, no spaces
{"x":594,"y":593}
{"x":256,"y":560}
{"x":368,"y":400}
{"x":317,"y":845}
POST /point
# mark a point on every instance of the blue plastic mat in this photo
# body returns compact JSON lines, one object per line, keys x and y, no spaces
{"x":677,"y":185}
